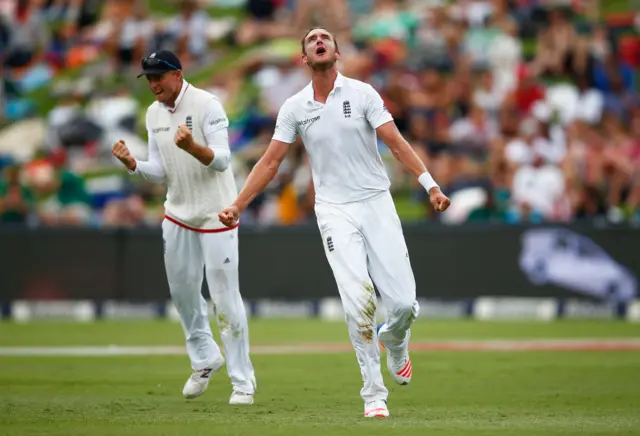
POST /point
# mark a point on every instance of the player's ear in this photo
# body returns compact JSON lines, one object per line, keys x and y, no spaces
{"x":304,"y":59}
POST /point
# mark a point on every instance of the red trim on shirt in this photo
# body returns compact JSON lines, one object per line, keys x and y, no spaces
{"x":176,"y":108}
{"x":184,"y":226}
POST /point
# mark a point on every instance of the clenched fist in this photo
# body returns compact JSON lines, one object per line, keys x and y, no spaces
{"x":229,"y":216}
{"x":121,"y":151}
{"x":183,"y":138}
{"x":439,"y":201}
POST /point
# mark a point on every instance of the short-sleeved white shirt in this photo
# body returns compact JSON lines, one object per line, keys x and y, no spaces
{"x":340,"y":139}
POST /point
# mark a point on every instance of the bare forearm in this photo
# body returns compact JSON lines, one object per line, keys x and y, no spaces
{"x":412,"y":162}
{"x":263,"y":172}
{"x":408,"y":157}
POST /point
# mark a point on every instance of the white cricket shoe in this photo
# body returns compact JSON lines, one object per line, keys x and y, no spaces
{"x":240,"y":398}
{"x":398,"y":362}
{"x":199,"y":380}
{"x":376,"y":409}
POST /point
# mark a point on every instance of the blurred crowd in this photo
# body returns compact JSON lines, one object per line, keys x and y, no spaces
{"x":523,"y":110}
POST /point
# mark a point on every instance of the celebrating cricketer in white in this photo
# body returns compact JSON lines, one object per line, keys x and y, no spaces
{"x":189,"y":149}
{"x":338,"y":120}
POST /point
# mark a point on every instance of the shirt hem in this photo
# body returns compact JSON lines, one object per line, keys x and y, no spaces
{"x":193,"y":229}
{"x":382,"y":122}
{"x":283,"y":139}
{"x":373,"y":196}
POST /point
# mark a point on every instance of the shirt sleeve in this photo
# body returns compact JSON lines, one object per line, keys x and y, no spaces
{"x":376,"y":112}
{"x":152,"y":169}
{"x":285,"y":125}
{"x":215,"y":128}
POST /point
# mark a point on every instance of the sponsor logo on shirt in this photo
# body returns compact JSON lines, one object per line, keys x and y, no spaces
{"x":160,"y":129}
{"x":308,"y":121}
{"x":218,"y":121}
{"x":189,"y":122}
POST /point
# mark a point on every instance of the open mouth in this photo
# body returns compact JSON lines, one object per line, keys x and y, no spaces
{"x":321,"y":50}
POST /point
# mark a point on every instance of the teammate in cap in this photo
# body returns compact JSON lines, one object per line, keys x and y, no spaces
{"x":338,"y":119}
{"x":189,"y":150}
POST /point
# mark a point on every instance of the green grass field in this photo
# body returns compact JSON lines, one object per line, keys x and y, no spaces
{"x":452,"y":393}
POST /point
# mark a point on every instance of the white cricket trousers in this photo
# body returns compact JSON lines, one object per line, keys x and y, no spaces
{"x":186,"y":254}
{"x":364,"y":241}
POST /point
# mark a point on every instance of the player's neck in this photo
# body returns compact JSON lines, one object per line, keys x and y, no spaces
{"x":323,"y":82}
{"x":171,"y":101}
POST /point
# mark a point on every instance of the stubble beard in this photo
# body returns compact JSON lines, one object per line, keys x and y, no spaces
{"x":323,"y":65}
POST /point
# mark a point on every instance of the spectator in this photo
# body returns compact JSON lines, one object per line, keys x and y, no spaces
{"x":488,"y":95}
{"x":188,"y":33}
{"x":615,"y":79}
{"x":331,"y":13}
{"x":528,"y":90}
{"x":473,"y":133}
{"x":537,"y":190}
{"x":480,"y":36}
{"x":505,"y":56}
{"x":29,"y":37}
{"x":61,"y":197}
{"x":16,"y":200}
{"x":561,"y":51}
{"x":261,"y":23}
{"x":387,"y":21}
{"x":621,"y":157}
{"x":277,"y":81}
{"x":132,"y":35}
{"x":432,"y":42}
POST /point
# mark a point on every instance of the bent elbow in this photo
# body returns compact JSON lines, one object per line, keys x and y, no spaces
{"x":220,"y":165}
{"x":221,"y":160}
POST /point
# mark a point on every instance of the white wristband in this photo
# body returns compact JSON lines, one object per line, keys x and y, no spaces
{"x":427,"y":181}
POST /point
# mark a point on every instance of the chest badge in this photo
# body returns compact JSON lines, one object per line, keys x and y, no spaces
{"x":189,"y":123}
{"x":346,"y":109}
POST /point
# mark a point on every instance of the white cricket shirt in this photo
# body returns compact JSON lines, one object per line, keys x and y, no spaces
{"x":340,"y":139}
{"x":195,"y":193}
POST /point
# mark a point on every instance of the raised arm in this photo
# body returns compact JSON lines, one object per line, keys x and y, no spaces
{"x":403,"y":151}
{"x":266,"y":168}
{"x":261,"y":174}
{"x":215,"y":153}
{"x":381,"y":120}
{"x":152,"y":169}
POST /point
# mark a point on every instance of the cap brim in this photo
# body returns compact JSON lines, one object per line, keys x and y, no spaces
{"x":152,"y":71}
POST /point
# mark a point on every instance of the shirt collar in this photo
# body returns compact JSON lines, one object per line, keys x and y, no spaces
{"x":339,"y":82}
{"x":185,"y":85}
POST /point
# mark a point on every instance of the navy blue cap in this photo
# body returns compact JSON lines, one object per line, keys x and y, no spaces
{"x":159,"y":63}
